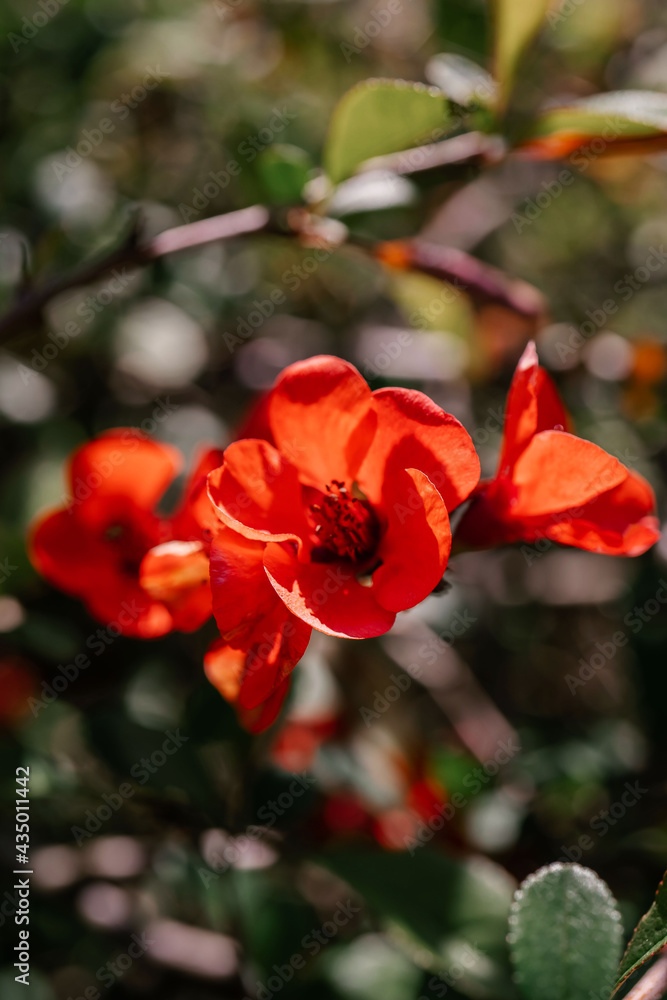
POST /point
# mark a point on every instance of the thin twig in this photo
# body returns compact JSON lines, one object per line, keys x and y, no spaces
{"x":467,"y":148}
{"x":478,"y":722}
{"x":220,"y":227}
{"x":653,"y":984}
{"x":27,"y":310}
{"x":483,"y":282}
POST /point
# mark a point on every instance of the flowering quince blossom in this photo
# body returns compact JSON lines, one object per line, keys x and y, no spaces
{"x":551,"y":484}
{"x":338,"y":525}
{"x":144,"y":573}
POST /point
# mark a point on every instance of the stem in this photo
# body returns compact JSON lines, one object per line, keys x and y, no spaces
{"x":482,"y":282}
{"x":485,"y":283}
{"x":28,"y":308}
{"x":653,"y":984}
{"x":467,"y":148}
{"x":255,"y":219}
{"x":479,"y":724}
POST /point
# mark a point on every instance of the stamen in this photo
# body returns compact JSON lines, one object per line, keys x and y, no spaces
{"x":345,"y":525}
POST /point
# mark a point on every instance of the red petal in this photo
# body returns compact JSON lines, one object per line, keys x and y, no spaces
{"x":557,"y":471}
{"x":326,"y":596}
{"x":258,"y":719}
{"x":177,"y":573}
{"x":414,"y":433}
{"x":120,"y":602}
{"x":321,"y":417}
{"x":277,"y":644}
{"x":196,"y":512}
{"x":257,"y":493}
{"x":483,"y":526}
{"x":620,"y":522}
{"x":415,"y":547}
{"x":79,"y":562}
{"x":65,"y":552}
{"x":121,"y":465}
{"x":533,"y":405}
{"x":223,"y":666}
{"x":242,"y":594}
{"x":255,"y":423}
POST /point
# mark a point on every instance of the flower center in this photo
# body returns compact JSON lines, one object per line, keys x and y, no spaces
{"x":130,"y":545}
{"x":345,"y":525}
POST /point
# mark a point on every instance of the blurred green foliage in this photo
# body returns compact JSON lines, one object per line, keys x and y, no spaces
{"x":210,"y":107}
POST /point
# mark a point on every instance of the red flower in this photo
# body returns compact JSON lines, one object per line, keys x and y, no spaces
{"x":93,"y":547}
{"x":551,"y":484}
{"x":337,"y":524}
{"x":350,"y":508}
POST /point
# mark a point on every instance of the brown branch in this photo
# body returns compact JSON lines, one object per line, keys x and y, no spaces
{"x":469,"y":147}
{"x":483,"y":282}
{"x":27,"y":310}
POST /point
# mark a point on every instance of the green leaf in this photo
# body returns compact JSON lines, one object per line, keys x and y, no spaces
{"x":379,"y":117}
{"x":444,"y":912}
{"x":516,"y":22}
{"x":565,"y":935}
{"x":284,"y":171}
{"x":649,"y":937}
{"x":461,"y":79}
{"x":623,"y":121}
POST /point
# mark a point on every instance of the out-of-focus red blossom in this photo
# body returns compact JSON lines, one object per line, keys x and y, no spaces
{"x":18,"y":683}
{"x":551,"y":484}
{"x":426,"y":797}
{"x":298,"y":741}
{"x":145,"y":573}
{"x":396,"y":828}
{"x":344,"y":813}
